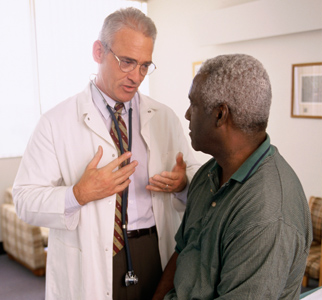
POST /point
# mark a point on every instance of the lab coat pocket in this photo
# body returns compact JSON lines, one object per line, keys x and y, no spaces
{"x":67,"y":267}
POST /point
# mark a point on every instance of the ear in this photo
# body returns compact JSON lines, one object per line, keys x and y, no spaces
{"x":221,"y":114}
{"x":98,"y":51}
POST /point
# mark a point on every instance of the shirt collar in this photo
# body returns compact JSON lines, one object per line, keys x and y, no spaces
{"x":101,"y":105}
{"x":250,"y":166}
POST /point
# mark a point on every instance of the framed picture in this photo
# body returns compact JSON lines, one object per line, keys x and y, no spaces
{"x":307,"y":90}
{"x":195,"y":67}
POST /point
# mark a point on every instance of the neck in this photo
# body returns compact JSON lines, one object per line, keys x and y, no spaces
{"x":236,"y":152}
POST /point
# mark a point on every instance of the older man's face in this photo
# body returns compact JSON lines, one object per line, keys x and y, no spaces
{"x":201,"y":123}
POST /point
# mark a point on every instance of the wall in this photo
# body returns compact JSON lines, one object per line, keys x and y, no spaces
{"x":182,"y":23}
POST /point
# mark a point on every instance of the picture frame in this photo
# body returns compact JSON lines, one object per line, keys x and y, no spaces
{"x":307,"y":90}
{"x":195,"y":67}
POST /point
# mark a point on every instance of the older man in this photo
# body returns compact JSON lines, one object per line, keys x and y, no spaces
{"x":101,"y":247}
{"x":246,"y":232}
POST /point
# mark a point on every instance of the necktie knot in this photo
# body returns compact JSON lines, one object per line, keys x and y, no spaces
{"x":118,"y":108}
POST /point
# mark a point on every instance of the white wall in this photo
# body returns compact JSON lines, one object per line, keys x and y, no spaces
{"x":180,"y":26}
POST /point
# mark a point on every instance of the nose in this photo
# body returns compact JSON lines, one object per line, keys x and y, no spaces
{"x":188,"y":115}
{"x":135,"y":75}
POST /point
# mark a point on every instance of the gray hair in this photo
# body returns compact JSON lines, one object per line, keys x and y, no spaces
{"x":241,"y":82}
{"x":127,"y":17}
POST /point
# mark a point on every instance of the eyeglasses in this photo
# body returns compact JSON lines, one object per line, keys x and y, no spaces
{"x":127,"y":65}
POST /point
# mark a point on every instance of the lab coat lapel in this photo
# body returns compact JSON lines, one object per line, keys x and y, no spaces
{"x":88,"y":113}
{"x":147,"y":112}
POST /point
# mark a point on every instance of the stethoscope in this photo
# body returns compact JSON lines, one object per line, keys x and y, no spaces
{"x":130,"y":277}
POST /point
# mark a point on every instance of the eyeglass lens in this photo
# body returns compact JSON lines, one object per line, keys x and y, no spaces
{"x":128,"y":66}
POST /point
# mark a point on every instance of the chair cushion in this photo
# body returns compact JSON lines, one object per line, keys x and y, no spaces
{"x":313,"y":261}
{"x":21,"y":240}
{"x":315,"y":204}
{"x":8,"y":196}
{"x":44,"y":231}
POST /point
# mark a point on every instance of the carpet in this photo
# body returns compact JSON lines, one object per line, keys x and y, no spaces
{"x":19,"y":283}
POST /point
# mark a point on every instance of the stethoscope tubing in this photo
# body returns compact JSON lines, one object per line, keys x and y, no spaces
{"x":126,"y":191}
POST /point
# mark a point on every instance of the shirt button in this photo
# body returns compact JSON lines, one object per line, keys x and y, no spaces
{"x":113,"y":155}
{"x":213,"y":204}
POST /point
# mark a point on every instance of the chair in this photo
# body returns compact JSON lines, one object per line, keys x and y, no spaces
{"x":314,"y":262}
{"x":23,"y":242}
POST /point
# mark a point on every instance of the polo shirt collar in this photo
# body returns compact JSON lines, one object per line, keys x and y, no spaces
{"x":250,"y":166}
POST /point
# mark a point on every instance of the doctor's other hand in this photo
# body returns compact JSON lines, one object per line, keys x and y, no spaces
{"x":171,"y":182}
{"x":98,"y":183}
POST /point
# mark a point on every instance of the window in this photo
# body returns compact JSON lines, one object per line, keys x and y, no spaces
{"x":46,"y":56}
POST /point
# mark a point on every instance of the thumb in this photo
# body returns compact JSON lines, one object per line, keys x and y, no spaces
{"x":96,"y":159}
{"x":180,"y":161}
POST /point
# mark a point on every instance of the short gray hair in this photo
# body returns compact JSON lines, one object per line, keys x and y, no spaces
{"x":127,"y":17}
{"x":241,"y":82}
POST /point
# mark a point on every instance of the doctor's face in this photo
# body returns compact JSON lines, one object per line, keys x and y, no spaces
{"x":128,"y":45}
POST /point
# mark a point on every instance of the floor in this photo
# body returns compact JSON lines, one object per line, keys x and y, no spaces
{"x":18,"y":283}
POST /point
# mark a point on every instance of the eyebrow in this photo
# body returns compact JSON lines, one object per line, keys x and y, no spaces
{"x":132,"y":59}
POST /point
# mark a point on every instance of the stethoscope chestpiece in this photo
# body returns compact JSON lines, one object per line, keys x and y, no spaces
{"x":131,"y":278}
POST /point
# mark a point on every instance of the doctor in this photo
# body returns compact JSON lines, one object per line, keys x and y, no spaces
{"x":71,"y":173}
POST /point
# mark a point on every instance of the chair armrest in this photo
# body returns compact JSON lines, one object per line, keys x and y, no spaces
{"x":21,"y":240}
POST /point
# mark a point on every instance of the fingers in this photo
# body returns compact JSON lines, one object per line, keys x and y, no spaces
{"x":164,"y":182}
{"x":174,"y":181}
{"x":181,"y":165}
{"x":119,"y":160}
{"x":123,"y":186}
{"x":179,"y":160}
{"x":122,"y":174}
{"x":98,"y":183}
{"x":96,"y":159}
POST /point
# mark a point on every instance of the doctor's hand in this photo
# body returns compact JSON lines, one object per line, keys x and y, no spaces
{"x":98,"y":183}
{"x":171,"y":182}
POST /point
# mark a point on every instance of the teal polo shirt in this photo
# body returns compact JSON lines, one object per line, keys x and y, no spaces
{"x":246,"y":239}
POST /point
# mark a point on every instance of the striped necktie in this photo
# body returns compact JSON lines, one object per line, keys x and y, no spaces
{"x":118,"y":242}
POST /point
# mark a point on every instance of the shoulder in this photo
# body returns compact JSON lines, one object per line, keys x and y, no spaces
{"x":149,"y":103}
{"x":274,"y":192}
{"x":275,"y":170}
{"x":71,"y":107}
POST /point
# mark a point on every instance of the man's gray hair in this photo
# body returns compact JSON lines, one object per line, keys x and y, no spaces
{"x":127,"y":17}
{"x":241,"y":82}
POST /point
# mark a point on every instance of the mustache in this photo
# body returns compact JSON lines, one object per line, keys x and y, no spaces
{"x":131,"y":83}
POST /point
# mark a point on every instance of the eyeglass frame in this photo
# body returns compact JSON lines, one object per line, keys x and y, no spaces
{"x":136,"y":64}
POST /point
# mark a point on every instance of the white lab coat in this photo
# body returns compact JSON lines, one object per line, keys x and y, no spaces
{"x":79,"y":261}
